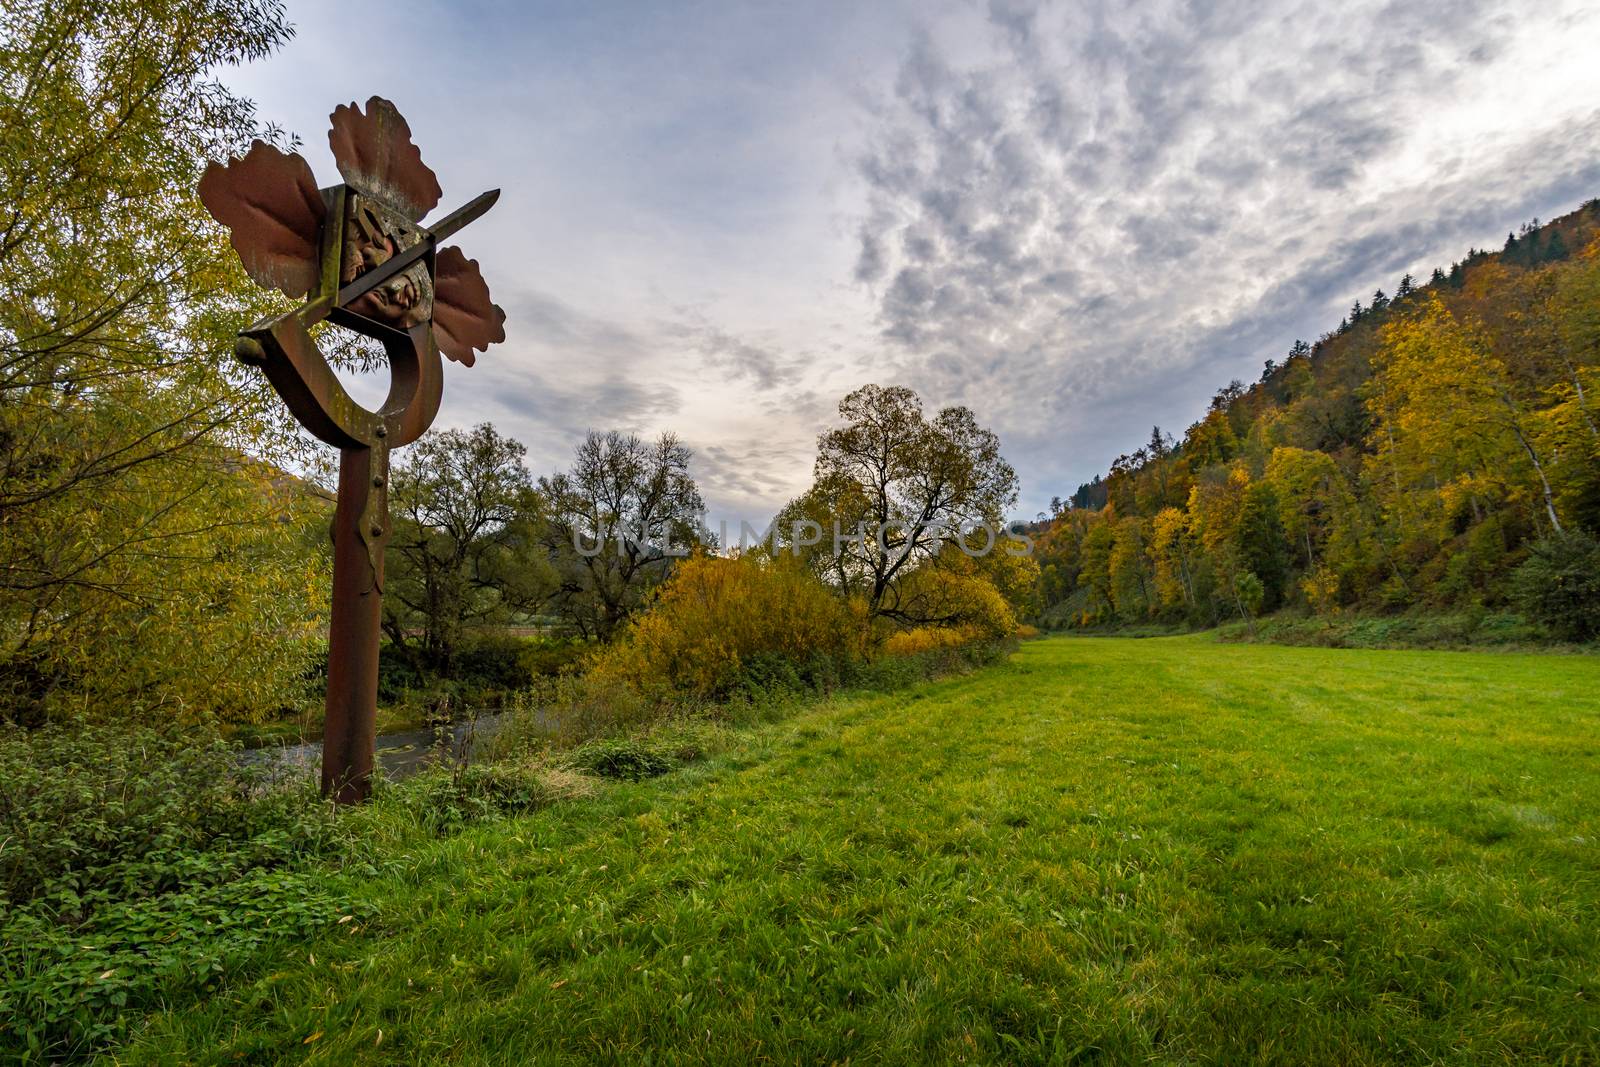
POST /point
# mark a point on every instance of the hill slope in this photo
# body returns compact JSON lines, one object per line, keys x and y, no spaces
{"x":1409,"y":458}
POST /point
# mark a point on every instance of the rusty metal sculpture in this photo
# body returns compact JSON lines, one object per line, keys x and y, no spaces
{"x":361,"y":258}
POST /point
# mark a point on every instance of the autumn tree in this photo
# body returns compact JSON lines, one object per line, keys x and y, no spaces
{"x":1452,"y":417}
{"x":148,"y":561}
{"x":1172,"y":556}
{"x":892,"y":488}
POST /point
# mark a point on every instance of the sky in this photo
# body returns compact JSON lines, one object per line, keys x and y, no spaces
{"x":1079,"y":220}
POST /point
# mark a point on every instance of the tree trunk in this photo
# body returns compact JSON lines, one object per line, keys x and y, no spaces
{"x":1549,"y":498}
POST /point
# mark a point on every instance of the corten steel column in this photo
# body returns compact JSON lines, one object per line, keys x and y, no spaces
{"x":349,"y":732}
{"x":360,"y":255}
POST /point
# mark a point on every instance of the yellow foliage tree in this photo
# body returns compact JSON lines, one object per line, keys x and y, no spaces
{"x":1452,"y":428}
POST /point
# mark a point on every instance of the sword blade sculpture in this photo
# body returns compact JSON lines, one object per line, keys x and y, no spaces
{"x":361,"y":259}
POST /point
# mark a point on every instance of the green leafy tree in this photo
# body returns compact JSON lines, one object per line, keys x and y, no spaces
{"x":148,"y":563}
{"x":1559,"y":585}
{"x":463,"y":551}
{"x":1260,"y":540}
{"x":614,"y":523}
{"x":893,"y":489}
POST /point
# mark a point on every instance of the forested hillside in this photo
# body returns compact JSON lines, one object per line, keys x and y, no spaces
{"x":1438,"y":450}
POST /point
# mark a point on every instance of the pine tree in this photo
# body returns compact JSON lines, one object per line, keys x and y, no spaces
{"x":1261,"y":542}
{"x":1532,"y":254}
{"x":1160,"y":446}
{"x":1380,"y":302}
{"x":1408,"y":286}
{"x":1438,"y":277}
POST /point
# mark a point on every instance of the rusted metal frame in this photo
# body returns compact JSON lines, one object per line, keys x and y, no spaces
{"x":296,"y":238}
{"x":287,"y":354}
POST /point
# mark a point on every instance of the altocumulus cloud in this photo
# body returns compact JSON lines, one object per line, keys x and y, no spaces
{"x":1078,"y":218}
{"x":1108,"y":209}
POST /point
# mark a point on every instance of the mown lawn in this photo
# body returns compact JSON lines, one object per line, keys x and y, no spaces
{"x":1105,"y":851}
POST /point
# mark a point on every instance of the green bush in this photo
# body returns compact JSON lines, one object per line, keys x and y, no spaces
{"x":136,"y":861}
{"x":650,"y":752}
{"x":626,"y":758}
{"x":548,"y":657}
{"x":137,"y":865}
{"x":440,"y":800}
{"x":489,"y":666}
{"x":69,"y":989}
{"x":91,"y":813}
{"x":1559,"y":585}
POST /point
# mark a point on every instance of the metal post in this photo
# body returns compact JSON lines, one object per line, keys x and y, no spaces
{"x":359,"y":531}
{"x":361,"y":257}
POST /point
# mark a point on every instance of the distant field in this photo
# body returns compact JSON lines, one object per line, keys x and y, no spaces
{"x":1105,"y":851}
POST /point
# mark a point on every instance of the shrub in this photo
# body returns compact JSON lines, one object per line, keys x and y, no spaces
{"x":1559,"y":585}
{"x":956,"y":597}
{"x":489,"y":666}
{"x":921,"y":639}
{"x":552,"y":656}
{"x":139,"y":865}
{"x":721,"y":627}
{"x":94,"y":813}
{"x":939,"y":657}
{"x":440,"y":800}
{"x":137,"y":861}
{"x":626,"y":758}
{"x":571,"y":708}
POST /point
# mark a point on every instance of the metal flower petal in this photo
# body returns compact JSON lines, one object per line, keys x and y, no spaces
{"x":375,"y":154}
{"x":464,"y":318}
{"x":270,"y":203}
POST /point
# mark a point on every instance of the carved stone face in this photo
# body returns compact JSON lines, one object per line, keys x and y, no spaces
{"x":372,"y":236}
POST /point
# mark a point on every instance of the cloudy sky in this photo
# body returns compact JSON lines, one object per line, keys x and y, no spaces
{"x":1078,"y":219}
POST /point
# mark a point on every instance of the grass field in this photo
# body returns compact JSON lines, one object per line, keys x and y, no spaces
{"x":1104,"y":851}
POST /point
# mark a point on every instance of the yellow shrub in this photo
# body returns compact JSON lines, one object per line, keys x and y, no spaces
{"x":1321,"y":587}
{"x":956,"y":599}
{"x":922,"y":639}
{"x":718,"y":624}
{"x":1026,"y":632}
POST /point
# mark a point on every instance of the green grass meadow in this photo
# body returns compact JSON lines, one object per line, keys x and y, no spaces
{"x":1104,"y":851}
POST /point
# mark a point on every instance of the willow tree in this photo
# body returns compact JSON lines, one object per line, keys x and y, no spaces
{"x":145,"y":559}
{"x":614,"y":524}
{"x":465,"y":548}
